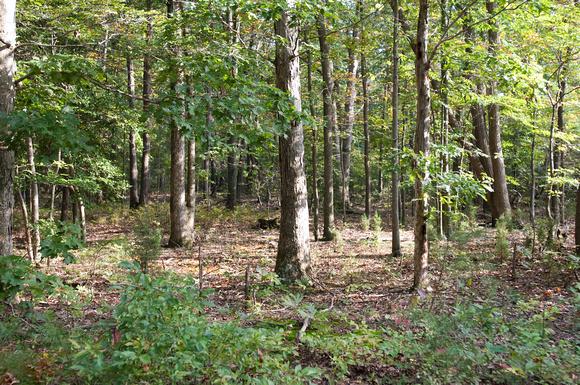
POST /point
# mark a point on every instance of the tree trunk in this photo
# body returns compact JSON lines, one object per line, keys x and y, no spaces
{"x":577,"y":225}
{"x":315,"y":198}
{"x":293,"y":258}
{"x":232,"y":174}
{"x":329,"y":127}
{"x":556,"y":155}
{"x":421,"y":253}
{"x":34,"y":201}
{"x":53,"y":187}
{"x":133,"y":172}
{"x":180,"y":233}
{"x":346,"y":140}
{"x":396,"y":237}
{"x":501,"y":195}
{"x":64,"y":203}
{"x":7,"y":70}
{"x":365,"y":85}
{"x":445,"y":208}
{"x":147,"y":92}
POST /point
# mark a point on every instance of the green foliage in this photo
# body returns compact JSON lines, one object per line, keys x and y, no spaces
{"x":502,"y":244}
{"x":148,"y":235}
{"x":365,"y":222}
{"x":160,"y":335}
{"x":59,"y":239}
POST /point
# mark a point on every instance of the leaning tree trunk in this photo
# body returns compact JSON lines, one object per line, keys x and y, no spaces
{"x":502,"y":201}
{"x":133,"y":172}
{"x":421,"y":253}
{"x":7,"y":70}
{"x":293,"y":259}
{"x":147,"y":92}
{"x":396,"y":237}
{"x":329,"y":127}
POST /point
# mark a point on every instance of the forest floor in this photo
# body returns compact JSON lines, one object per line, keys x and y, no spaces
{"x":353,"y":276}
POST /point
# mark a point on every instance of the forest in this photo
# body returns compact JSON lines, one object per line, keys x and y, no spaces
{"x":276,"y":192}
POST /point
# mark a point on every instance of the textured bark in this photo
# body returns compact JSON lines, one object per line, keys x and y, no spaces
{"x":423,"y":125}
{"x":145,"y":182}
{"x":396,"y":237}
{"x":346,"y":140}
{"x":181,"y":234}
{"x":315,"y":198}
{"x":133,"y":172}
{"x":293,"y":258}
{"x":329,"y":127}
{"x":64,"y":203}
{"x":232,"y":174}
{"x":557,"y":155}
{"x":501,"y":195}
{"x":445,"y":212}
{"x":7,"y":71}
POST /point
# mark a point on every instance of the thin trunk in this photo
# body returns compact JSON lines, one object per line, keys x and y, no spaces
{"x":232,"y":174}
{"x":396,"y":237}
{"x":577,"y":225}
{"x":26,"y":221}
{"x":445,"y":208}
{"x":315,"y":198}
{"x":53,"y":187}
{"x":7,"y":71}
{"x":147,"y":92}
{"x":421,"y":253}
{"x":501,"y":195}
{"x":533,"y":188}
{"x":64,"y":203}
{"x":366,"y":155}
{"x":556,"y":155}
{"x":293,"y":258}
{"x":34,"y":200}
{"x":133,"y":172}
{"x":329,"y":127}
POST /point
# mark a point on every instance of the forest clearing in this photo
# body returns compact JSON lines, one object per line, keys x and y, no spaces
{"x":289,"y":192}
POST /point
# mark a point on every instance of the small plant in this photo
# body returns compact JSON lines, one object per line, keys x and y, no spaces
{"x":59,"y":239}
{"x":365,"y":222}
{"x":377,"y":222}
{"x":502,"y":244}
{"x":148,"y":235}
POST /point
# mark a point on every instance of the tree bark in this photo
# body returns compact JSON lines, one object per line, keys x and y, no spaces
{"x":445,"y":208}
{"x":396,"y":237}
{"x":421,"y":252}
{"x":315,"y":197}
{"x":293,"y":258}
{"x":365,"y":85}
{"x":133,"y":172}
{"x":147,"y":92}
{"x":577,"y":225}
{"x":346,"y":140}
{"x":502,"y":202}
{"x":7,"y":92}
{"x":329,"y":127}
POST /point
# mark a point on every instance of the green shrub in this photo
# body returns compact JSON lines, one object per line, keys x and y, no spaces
{"x":502,"y":244}
{"x":59,"y":239}
{"x":365,"y":223}
{"x":148,"y":235}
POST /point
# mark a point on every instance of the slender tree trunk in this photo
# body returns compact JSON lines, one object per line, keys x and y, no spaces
{"x":445,"y":208}
{"x":577,"y":225}
{"x":396,"y":237}
{"x":133,"y":172}
{"x":556,"y":154}
{"x":293,"y":258}
{"x":501,"y":195}
{"x":315,"y":198}
{"x":7,"y":71}
{"x":34,"y":201}
{"x":421,"y":253}
{"x":365,"y":85}
{"x":64,"y":203}
{"x":147,"y":92}
{"x":329,"y":127}
{"x":346,"y":140}
{"x":533,"y":188}
{"x":207,"y":159}
{"x":53,"y":187}
{"x":232,"y":174}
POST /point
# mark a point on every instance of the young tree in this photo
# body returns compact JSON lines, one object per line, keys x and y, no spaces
{"x":133,"y":172}
{"x":367,"y":140}
{"x":7,"y":70}
{"x":293,"y":259}
{"x":396,"y":238}
{"x":147,"y":92}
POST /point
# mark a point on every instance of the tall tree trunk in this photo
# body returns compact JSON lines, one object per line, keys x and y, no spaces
{"x":180,"y":232}
{"x":147,"y":92}
{"x":577,"y":225}
{"x":365,"y":85}
{"x":329,"y":127}
{"x":556,"y":154}
{"x":232,"y":174}
{"x":133,"y":172}
{"x":501,"y":195}
{"x":34,"y":201}
{"x":7,"y":70}
{"x":421,"y":253}
{"x":293,"y":258}
{"x":396,"y":237}
{"x":315,"y":198}
{"x":53,"y":187}
{"x":445,"y":208}
{"x":346,"y":140}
